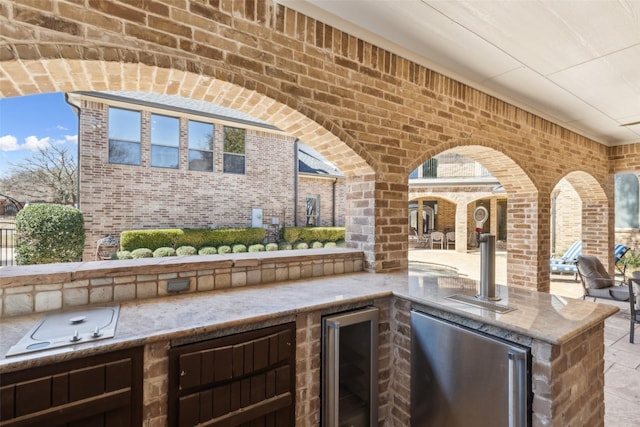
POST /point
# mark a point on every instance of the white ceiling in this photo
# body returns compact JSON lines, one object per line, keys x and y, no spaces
{"x":574,"y":62}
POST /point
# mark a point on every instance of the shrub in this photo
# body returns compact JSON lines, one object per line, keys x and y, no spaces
{"x":142,"y":253}
{"x":224,"y":249}
{"x":311,"y":234}
{"x":151,"y":239}
{"x":317,"y":245}
{"x":239,"y":248}
{"x":123,"y":255}
{"x":49,"y":233}
{"x":271,"y":247}
{"x":196,"y":237}
{"x":300,"y":245}
{"x":330,"y":245}
{"x":256,"y":248}
{"x":632,"y":259}
{"x":341,"y":244}
{"x":284,"y":246}
{"x":186,"y":250}
{"x":164,"y":251}
{"x":208,"y":250}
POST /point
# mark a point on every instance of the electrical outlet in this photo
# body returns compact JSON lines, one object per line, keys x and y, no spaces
{"x":177,"y":285}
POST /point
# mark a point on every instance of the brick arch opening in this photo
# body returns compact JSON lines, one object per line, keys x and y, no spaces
{"x":66,"y":75}
{"x":527,"y":251}
{"x":592,"y":214}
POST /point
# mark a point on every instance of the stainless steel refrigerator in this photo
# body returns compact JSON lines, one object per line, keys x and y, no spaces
{"x":461,"y":377}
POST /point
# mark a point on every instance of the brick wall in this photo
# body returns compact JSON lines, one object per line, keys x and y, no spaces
{"x":369,"y":111}
{"x":328,"y":192}
{"x":114,"y":198}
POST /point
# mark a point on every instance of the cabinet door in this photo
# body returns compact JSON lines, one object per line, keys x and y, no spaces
{"x":97,"y":391}
{"x":237,"y":380}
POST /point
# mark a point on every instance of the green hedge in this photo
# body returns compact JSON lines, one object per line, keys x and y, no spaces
{"x":198,"y":238}
{"x":49,"y":233}
{"x":312,"y":234}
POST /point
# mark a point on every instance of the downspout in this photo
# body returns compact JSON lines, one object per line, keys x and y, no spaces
{"x":296,"y":166}
{"x":78,"y":111}
{"x":333,"y":202}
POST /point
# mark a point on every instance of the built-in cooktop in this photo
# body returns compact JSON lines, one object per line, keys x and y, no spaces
{"x":69,"y":328}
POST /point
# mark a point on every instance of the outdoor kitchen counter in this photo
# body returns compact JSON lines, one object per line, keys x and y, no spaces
{"x":545,"y":317}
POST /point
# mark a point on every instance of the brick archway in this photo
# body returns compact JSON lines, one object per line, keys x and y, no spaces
{"x":595,"y":215}
{"x":368,"y":110}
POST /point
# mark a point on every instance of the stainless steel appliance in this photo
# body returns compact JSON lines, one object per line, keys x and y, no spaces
{"x":461,"y":377}
{"x":350,"y":369}
{"x":69,"y":328}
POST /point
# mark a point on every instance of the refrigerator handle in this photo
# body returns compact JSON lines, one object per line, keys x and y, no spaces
{"x":517,"y":389}
{"x":333,"y":375}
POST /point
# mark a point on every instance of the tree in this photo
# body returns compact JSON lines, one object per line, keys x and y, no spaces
{"x":50,"y":175}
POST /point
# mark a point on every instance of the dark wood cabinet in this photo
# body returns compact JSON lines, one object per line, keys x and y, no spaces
{"x":246,"y":379}
{"x":98,"y":391}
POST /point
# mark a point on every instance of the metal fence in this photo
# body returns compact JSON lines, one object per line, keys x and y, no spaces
{"x":7,"y":241}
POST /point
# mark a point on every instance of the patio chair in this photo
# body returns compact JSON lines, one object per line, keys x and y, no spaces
{"x":618,"y":253}
{"x":567,"y":263}
{"x":451,"y":239}
{"x":634,"y":302}
{"x":437,"y":238}
{"x":596,"y":281}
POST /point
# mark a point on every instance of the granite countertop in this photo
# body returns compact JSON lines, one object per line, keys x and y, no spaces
{"x":542,"y":316}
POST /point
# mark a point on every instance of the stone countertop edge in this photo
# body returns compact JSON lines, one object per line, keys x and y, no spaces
{"x":538,"y":315}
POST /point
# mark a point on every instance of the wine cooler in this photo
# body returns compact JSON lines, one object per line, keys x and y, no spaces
{"x":350,"y":369}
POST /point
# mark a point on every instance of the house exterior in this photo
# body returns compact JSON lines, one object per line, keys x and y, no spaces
{"x":149,"y":161}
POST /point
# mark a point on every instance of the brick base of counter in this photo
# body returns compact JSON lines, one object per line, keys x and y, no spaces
{"x":567,"y":380}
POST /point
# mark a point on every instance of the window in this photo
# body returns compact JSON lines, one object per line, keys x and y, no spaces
{"x":165,"y":141}
{"x":626,"y":199}
{"x":200,"y":146}
{"x":234,"y":141}
{"x":313,"y":211}
{"x":124,"y":136}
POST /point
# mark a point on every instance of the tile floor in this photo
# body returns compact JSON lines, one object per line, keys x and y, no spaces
{"x":622,"y":359}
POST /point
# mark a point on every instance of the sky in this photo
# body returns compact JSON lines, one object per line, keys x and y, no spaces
{"x":28,"y":123}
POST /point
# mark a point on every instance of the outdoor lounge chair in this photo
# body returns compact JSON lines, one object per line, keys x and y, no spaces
{"x":596,"y":281}
{"x":634,"y":302}
{"x":567,"y":264}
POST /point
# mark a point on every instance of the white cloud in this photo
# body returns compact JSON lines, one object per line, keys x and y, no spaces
{"x":9,"y":143}
{"x":60,"y":127}
{"x":32,"y":143}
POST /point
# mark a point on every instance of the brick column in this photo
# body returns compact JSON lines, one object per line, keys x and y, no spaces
{"x":493,"y":217}
{"x":596,"y":238}
{"x":461,"y":226}
{"x":376,"y":221}
{"x":528,"y":230}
